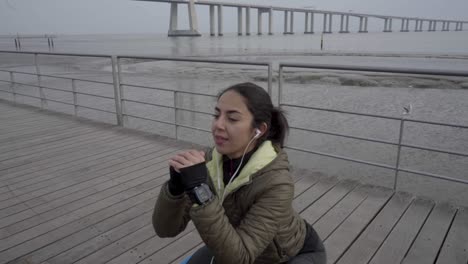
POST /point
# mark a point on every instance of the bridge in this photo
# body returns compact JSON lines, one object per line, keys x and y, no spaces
{"x":77,"y":190}
{"x":419,"y":23}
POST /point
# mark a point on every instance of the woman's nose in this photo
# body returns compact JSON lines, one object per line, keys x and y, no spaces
{"x":218,"y":123}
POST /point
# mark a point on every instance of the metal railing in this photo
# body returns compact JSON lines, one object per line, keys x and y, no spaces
{"x":120,"y":100}
{"x":118,"y":84}
{"x":402,"y":120}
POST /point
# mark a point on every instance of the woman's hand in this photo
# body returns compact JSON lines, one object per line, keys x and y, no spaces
{"x":186,"y":159}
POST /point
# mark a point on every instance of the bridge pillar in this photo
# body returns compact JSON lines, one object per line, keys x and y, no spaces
{"x":173,"y":27}
{"x":220,"y":20}
{"x":239,"y":21}
{"x":330,"y":23}
{"x":212,"y":20}
{"x":291,"y":23}
{"x":344,"y":24}
{"x":270,"y":21}
{"x":388,"y":25}
{"x":247,"y":21}
{"x":429,"y":27}
{"x":347,"y":23}
{"x":363,"y":24}
{"x":309,"y":21}
{"x":324,"y":23}
{"x":405,"y":25}
{"x":285,"y":22}
{"x":259,"y":22}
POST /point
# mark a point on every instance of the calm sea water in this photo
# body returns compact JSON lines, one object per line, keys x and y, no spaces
{"x":431,"y":98}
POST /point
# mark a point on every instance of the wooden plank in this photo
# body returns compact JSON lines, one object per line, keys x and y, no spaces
{"x":403,"y":234}
{"x":44,"y":141}
{"x":92,"y":238}
{"x":43,"y":234}
{"x":71,"y":159}
{"x":48,"y":211}
{"x":93,"y":167}
{"x":91,"y":140}
{"x":188,"y":253}
{"x":75,"y":179}
{"x":86,"y":152}
{"x":78,"y":199}
{"x":58,"y":140}
{"x":333,"y":218}
{"x":370,"y":240}
{"x":81,"y":224}
{"x":19,"y":134}
{"x":430,"y":238}
{"x":328,"y":200}
{"x":303,"y":184}
{"x":169,"y":253}
{"x":340,"y":240}
{"x":312,"y":194}
{"x":455,"y":248}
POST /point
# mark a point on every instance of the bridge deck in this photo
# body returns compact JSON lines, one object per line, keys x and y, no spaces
{"x":75,"y":191}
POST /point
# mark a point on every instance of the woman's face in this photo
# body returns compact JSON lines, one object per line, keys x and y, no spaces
{"x":232,"y":125}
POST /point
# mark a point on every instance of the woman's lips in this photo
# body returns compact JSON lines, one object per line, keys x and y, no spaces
{"x":220,"y":140}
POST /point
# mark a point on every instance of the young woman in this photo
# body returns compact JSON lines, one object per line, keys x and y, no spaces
{"x":239,"y":195}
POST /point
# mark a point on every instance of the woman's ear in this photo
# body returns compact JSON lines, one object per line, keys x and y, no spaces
{"x":263,"y":128}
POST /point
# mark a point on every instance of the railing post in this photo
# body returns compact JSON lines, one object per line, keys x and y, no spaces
{"x":397,"y":166}
{"x":270,"y":79}
{"x":41,"y":91}
{"x":175,"y":116}
{"x":117,"y":96}
{"x":75,"y":97}
{"x":12,"y":86}
{"x":280,"y":84}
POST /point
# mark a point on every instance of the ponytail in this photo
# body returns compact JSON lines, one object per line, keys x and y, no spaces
{"x":279,"y":127}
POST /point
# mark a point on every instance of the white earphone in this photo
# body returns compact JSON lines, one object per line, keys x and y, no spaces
{"x":257,"y":133}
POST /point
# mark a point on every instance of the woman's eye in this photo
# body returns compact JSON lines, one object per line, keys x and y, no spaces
{"x":232,"y":119}
{"x":215,"y":116}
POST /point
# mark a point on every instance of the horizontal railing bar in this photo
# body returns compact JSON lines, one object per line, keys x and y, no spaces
{"x":340,"y":111}
{"x":19,"y":72}
{"x":95,"y":95}
{"x":92,"y":108}
{"x":342,"y":158}
{"x":57,"y":77}
{"x":24,"y":84}
{"x":61,"y":102}
{"x":376,"y":69}
{"x":27,"y":95}
{"x":184,"y":59}
{"x":54,"y":89}
{"x":167,"y":90}
{"x":435,"y":123}
{"x":345,"y":136}
{"x":76,"y":79}
{"x":58,"y":54}
{"x":150,"y":119}
{"x":432,"y":175}
{"x":146,"y":103}
{"x":376,"y":116}
{"x":436,"y":150}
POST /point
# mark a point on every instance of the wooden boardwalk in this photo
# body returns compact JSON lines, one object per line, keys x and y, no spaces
{"x":75,"y":191}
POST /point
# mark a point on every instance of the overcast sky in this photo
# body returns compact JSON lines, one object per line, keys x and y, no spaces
{"x":125,"y":16}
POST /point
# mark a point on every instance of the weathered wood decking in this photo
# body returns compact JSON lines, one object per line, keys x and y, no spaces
{"x":75,"y":191}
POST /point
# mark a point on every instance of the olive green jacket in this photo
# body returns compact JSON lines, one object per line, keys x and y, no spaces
{"x":256,"y":223}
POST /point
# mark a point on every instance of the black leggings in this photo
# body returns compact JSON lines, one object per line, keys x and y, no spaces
{"x":313,"y":252}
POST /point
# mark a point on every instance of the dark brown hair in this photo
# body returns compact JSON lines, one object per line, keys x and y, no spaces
{"x":259,"y":103}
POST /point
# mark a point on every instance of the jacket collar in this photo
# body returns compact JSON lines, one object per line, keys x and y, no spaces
{"x":264,"y":155}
